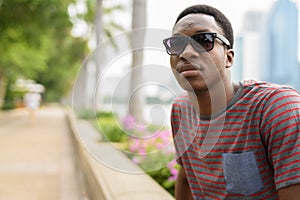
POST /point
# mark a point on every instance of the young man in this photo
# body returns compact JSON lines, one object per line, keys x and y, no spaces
{"x":233,"y":140}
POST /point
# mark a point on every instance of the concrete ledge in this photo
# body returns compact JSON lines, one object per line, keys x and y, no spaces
{"x":108,"y":174}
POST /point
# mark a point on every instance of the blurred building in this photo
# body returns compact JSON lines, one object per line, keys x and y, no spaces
{"x":279,"y":62}
{"x":237,"y":68}
{"x":251,"y":45}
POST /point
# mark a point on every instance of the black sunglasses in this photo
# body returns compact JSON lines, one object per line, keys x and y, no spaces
{"x":201,"y":42}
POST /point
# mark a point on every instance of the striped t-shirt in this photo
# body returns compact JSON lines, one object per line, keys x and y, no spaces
{"x":248,"y":151}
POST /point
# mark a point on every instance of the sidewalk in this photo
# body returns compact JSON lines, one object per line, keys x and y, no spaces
{"x":36,"y":157}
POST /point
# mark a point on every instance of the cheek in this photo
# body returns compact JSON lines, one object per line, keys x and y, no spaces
{"x":173,"y":61}
{"x":217,"y":60}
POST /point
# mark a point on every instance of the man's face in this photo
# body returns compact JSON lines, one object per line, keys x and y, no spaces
{"x":194,"y":70}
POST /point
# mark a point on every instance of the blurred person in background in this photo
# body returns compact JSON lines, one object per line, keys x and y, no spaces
{"x":32,"y":101}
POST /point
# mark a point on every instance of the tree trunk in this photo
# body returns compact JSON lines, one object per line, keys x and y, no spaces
{"x":79,"y":97}
{"x":137,"y":100}
{"x":98,"y":56}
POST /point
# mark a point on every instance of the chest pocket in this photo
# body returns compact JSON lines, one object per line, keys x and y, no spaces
{"x":241,"y":173}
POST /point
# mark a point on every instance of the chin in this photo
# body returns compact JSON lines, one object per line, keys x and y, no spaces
{"x":194,"y":84}
{"x":196,"y":88}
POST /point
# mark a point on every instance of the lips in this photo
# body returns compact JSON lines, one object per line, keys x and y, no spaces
{"x":189,"y":70}
{"x":188,"y":67}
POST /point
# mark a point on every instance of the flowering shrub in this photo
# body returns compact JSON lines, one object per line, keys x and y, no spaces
{"x":110,"y":128}
{"x":153,"y":151}
{"x":150,"y":147}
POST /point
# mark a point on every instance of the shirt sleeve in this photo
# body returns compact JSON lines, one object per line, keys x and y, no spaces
{"x":280,"y":128}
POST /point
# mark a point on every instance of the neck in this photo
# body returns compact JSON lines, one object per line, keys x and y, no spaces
{"x":215,"y":98}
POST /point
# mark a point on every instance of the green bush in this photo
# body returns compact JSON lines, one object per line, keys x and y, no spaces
{"x":8,"y":105}
{"x":165,"y":176}
{"x":162,"y":177}
{"x":88,"y":114}
{"x":151,"y":154}
{"x":110,"y":129}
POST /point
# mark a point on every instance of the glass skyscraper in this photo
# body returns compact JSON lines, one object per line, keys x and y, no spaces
{"x":280,"y":45}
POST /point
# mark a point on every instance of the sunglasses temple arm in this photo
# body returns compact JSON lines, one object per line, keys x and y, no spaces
{"x":224,"y":40}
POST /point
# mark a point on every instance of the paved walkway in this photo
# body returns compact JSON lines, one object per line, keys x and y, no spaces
{"x":36,"y":157}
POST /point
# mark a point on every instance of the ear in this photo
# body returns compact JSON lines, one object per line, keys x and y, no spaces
{"x":229,"y":58}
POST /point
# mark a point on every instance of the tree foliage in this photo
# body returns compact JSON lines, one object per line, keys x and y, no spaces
{"x":36,"y":43}
{"x":109,"y":25}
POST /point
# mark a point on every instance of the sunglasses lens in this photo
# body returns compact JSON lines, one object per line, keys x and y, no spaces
{"x":175,"y":45}
{"x":203,"y":41}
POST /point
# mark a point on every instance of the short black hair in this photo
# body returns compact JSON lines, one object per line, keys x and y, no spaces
{"x":220,"y":18}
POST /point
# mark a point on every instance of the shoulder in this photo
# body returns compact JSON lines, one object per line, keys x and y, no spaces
{"x":270,"y":91}
{"x":265,"y":86}
{"x":181,"y":105}
{"x":182,"y":99}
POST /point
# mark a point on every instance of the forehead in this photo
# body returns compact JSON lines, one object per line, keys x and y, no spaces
{"x":193,"y":23}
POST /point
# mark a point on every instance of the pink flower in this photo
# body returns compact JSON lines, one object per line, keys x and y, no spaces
{"x":136,"y":160}
{"x":129,"y":122}
{"x":174,"y":173}
{"x":141,"y":128}
{"x":134,"y":146}
{"x":137,"y":146}
{"x":172,"y":178}
{"x":142,"y":151}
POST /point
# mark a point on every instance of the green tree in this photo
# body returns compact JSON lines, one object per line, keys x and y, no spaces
{"x":99,"y":30}
{"x":36,"y":43}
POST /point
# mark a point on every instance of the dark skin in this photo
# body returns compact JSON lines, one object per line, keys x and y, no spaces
{"x":182,"y":190}
{"x":207,"y":78}
{"x":206,"y":75}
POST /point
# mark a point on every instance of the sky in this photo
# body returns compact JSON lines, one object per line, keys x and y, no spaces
{"x":162,"y":13}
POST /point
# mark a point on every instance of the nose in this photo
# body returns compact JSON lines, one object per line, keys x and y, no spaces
{"x":188,"y":52}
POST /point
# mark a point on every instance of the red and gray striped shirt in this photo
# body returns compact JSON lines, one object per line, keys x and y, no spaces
{"x":248,"y":151}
